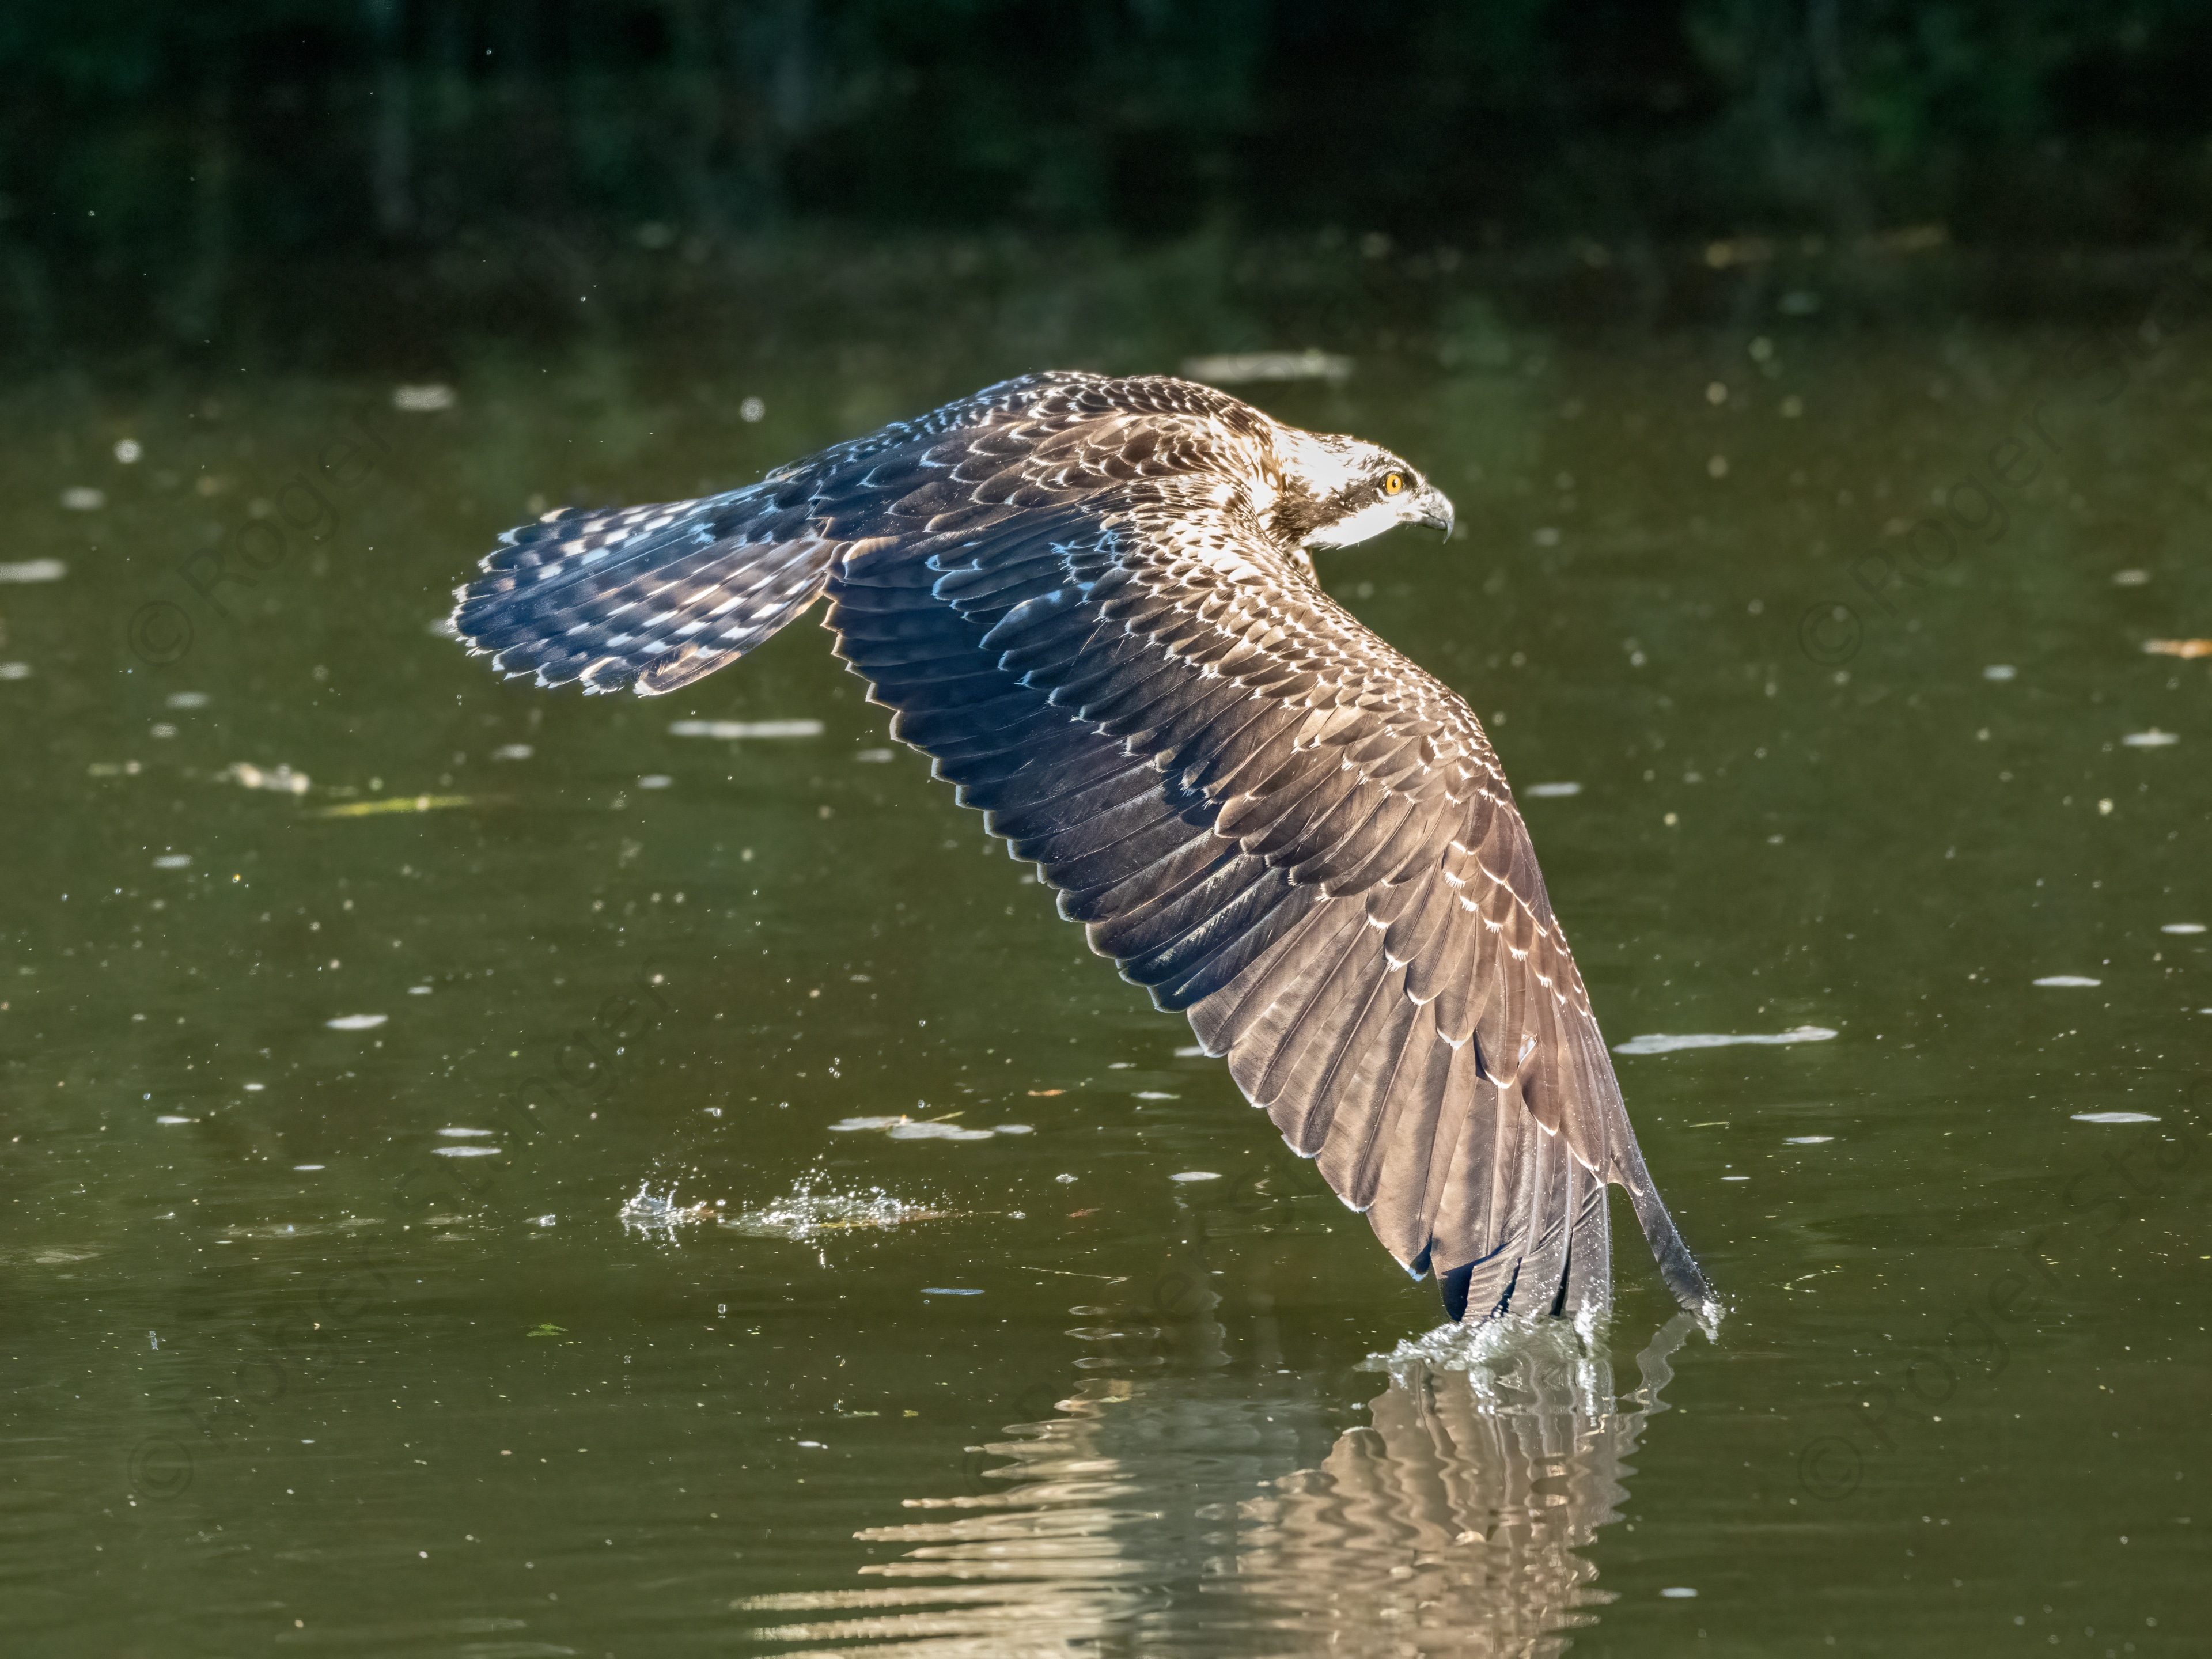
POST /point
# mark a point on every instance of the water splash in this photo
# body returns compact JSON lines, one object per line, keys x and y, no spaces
{"x":806,"y":1212}
{"x":657,"y":1215}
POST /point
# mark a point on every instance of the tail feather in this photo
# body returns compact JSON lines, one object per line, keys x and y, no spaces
{"x":648,"y":597}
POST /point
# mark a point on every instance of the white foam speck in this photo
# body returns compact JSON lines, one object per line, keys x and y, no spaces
{"x":172,"y":861}
{"x":1680,"y":1593}
{"x":1806,"y":1141}
{"x":187,"y":700}
{"x":34,"y":570}
{"x":303,"y":1167}
{"x":1661,"y":1044}
{"x":1154,"y":1094}
{"x":1999,"y":670}
{"x":874,"y":755}
{"x":482,"y":1133}
{"x":513,"y":751}
{"x":176,"y":1120}
{"x":1548,"y":791}
{"x":2152,"y":738}
{"x":356,"y":1022}
{"x":465,"y":1151}
{"x":2183,"y":927}
{"x":655,"y":780}
{"x":733,"y":729}
{"x":909,"y":1129}
{"x":2114,"y":1117}
{"x":1195,"y":1174}
{"x":424,"y":399}
{"x":83,"y":498}
{"x":1190,"y":1051}
{"x":2066,"y":981}
{"x":255,"y":1088}
{"x":919,"y":1131}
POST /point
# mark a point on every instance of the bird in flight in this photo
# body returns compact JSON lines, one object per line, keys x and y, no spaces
{"x":1092,"y":603}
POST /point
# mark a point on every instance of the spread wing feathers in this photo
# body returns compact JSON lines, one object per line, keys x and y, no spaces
{"x":654,"y":597}
{"x":1266,"y":816}
{"x":650,"y":596}
{"x":1276,"y":824}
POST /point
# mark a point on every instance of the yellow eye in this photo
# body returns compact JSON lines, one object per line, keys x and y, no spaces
{"x":1393,"y":483}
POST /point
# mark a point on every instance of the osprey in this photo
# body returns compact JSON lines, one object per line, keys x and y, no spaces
{"x":1091,"y":602}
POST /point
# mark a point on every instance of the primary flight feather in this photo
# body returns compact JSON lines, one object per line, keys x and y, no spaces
{"x":1091,"y":601}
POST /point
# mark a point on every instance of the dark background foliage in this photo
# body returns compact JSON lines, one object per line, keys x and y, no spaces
{"x":158,"y":159}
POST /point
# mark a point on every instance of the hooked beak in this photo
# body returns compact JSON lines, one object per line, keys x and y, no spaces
{"x":1432,"y":507}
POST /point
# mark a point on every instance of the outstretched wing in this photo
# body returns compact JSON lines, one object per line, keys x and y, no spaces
{"x":653,"y":597}
{"x":1275,"y":822}
{"x":1267,"y":816}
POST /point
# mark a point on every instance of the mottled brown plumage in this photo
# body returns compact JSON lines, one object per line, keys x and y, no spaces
{"x":1091,"y":601}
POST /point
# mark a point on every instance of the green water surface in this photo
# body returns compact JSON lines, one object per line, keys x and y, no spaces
{"x":325,"y":1087}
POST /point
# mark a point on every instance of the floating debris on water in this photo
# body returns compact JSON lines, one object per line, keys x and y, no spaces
{"x":425,"y":399}
{"x":1660,"y":1044}
{"x":806,"y":1212}
{"x":464,"y":1133}
{"x":82,"y":498}
{"x":2066,"y":981}
{"x":1196,"y":1175}
{"x":362,"y":809}
{"x":466,"y":1151}
{"x":904,"y":1127}
{"x":356,"y":1022}
{"x":1806,"y":1141}
{"x":1238,"y":367}
{"x":282,"y":778}
{"x":1551,"y":791}
{"x":173,"y":861}
{"x":734,"y":729}
{"x":513,"y":751}
{"x":34,"y":570}
{"x":2178,"y":647}
{"x":2152,"y":738}
{"x":1999,"y":670}
{"x":2183,"y":927}
{"x":2115,"y":1118}
{"x":187,"y":700}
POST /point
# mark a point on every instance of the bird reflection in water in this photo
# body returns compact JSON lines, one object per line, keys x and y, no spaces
{"x":1191,"y":1511}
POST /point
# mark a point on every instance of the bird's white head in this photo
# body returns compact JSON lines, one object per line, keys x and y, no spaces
{"x":1334,"y":491}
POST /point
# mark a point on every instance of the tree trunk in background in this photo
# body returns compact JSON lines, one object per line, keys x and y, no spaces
{"x":391,"y":165}
{"x":1824,"y":39}
{"x":699,"y":99}
{"x":773,"y":80}
{"x":200,"y":296}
